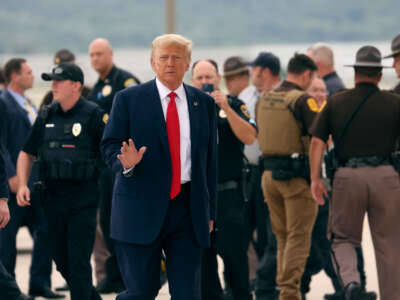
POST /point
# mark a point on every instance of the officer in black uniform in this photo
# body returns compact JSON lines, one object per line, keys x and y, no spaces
{"x":235,"y":128}
{"x":65,"y":140}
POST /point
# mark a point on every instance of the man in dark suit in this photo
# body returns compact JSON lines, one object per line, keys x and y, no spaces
{"x":20,"y":114}
{"x":164,"y":195}
{"x":8,"y":286}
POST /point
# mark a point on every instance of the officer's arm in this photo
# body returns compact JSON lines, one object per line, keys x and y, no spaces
{"x":242,"y":129}
{"x":24,"y":167}
{"x":318,"y":190}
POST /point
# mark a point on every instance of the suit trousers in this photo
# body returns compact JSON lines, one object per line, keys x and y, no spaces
{"x":71,"y":214}
{"x":8,"y":286}
{"x":373,"y":191}
{"x":140,"y":264}
{"x":293,"y":212}
{"x":33,"y":217}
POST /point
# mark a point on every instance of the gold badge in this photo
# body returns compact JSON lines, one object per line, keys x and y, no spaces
{"x":107,"y":89}
{"x":129,"y":82}
{"x":76,"y":129}
{"x":312,"y":105}
{"x":245,"y":111}
{"x":105,"y":118}
{"x":222,"y":114}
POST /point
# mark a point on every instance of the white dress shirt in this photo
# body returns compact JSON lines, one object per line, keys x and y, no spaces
{"x":184,"y":125}
{"x":250,"y":97}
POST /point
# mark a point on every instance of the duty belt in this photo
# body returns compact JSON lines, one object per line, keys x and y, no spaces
{"x":366,"y":161}
{"x":227,"y":185}
{"x":276,"y":162}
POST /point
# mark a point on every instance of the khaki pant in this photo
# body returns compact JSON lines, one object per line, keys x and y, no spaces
{"x":375,"y":191}
{"x":292,"y":212}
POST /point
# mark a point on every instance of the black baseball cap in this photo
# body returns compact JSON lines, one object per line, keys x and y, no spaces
{"x":267,"y":60}
{"x":64,"y":71}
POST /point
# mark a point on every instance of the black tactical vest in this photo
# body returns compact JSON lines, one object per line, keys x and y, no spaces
{"x":66,"y":150}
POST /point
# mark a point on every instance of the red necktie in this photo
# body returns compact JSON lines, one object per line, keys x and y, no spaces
{"x":174,"y":145}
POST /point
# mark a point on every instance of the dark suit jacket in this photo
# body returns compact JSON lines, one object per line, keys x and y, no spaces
{"x":3,"y":177}
{"x":140,"y":202}
{"x":18,"y":130}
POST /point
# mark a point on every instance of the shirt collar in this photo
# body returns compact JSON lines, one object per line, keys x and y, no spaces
{"x":163,"y":91}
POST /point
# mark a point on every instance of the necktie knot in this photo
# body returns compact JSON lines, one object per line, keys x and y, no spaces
{"x":172,"y":96}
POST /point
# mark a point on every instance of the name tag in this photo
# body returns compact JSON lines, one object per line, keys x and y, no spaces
{"x":49,"y":125}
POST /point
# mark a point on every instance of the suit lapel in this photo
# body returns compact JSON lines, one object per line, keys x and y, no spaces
{"x":17,"y":107}
{"x":159,"y":119}
{"x":193,"y":106}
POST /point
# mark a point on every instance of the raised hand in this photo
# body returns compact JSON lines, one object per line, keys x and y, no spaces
{"x":130,"y":156}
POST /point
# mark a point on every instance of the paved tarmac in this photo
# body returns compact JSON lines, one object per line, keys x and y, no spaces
{"x":320,"y":284}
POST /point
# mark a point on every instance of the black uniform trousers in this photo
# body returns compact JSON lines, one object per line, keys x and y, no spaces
{"x":257,"y":210}
{"x":232,"y":239}
{"x":33,"y":217}
{"x":106,"y":184}
{"x":71,"y":214}
{"x":8,"y":286}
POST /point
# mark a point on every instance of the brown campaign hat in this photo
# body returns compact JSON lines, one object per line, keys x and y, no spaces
{"x":368,"y":56}
{"x":395,"y":47}
{"x":234,"y":65}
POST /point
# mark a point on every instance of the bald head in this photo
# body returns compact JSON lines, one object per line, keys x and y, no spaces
{"x":101,"y":56}
{"x":203,"y":72}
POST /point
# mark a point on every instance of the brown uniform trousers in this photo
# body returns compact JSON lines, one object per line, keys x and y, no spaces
{"x":375,"y":191}
{"x":292,"y":212}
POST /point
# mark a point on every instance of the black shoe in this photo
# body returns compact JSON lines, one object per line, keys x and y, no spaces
{"x":353,"y":291}
{"x":335,"y":296}
{"x":370,"y":296}
{"x":45,"y":292}
{"x":106,"y":286}
{"x":23,"y":297}
{"x":62,"y":288}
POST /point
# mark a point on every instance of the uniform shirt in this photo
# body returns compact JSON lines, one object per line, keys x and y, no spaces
{"x":104,"y":90}
{"x":230,"y":148}
{"x":250,"y":97}
{"x":305,"y":108}
{"x":184,"y":125}
{"x":333,"y":83}
{"x":373,"y":130}
{"x":96,"y":128}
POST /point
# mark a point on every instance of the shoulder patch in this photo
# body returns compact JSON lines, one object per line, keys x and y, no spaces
{"x":129,"y":82}
{"x":105,"y":118}
{"x":312,"y":105}
{"x":245,"y":110}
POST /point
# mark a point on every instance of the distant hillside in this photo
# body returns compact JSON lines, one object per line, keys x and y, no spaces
{"x":47,"y":25}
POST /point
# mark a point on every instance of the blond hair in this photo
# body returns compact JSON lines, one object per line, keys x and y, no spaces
{"x":166,"y":40}
{"x":322,"y":52}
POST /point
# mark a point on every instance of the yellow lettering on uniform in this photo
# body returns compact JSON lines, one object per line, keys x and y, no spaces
{"x":322,"y":106}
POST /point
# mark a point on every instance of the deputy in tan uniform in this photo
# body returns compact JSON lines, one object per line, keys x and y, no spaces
{"x":365,"y":181}
{"x":396,"y":60}
{"x":284,"y":116}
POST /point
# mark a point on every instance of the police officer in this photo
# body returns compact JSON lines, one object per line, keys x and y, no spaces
{"x":396,"y":60}
{"x":111,"y":80}
{"x":65,"y":140}
{"x":284,"y":116}
{"x":235,"y":129}
{"x":62,"y":56}
{"x":364,"y":123}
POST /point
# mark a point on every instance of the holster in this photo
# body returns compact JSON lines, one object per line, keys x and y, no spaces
{"x":331,"y":164}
